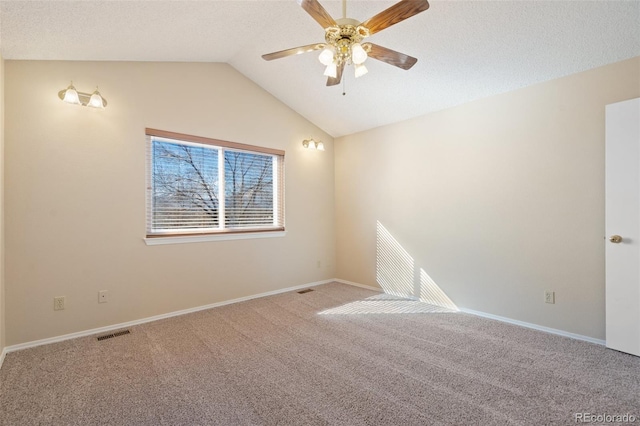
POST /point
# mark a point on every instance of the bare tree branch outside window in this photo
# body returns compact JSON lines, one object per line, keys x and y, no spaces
{"x":186,"y":189}
{"x":248,"y":189}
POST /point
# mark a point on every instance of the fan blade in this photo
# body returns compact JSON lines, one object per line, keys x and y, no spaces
{"x":389,"y":56}
{"x":333,"y":81}
{"x":396,"y":13}
{"x":293,"y":51}
{"x":317,"y":12}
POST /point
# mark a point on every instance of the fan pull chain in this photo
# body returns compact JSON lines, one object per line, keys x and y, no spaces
{"x":344,"y":83}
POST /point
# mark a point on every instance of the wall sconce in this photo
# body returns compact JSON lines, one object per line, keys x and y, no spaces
{"x":72,"y":96}
{"x":312,"y":144}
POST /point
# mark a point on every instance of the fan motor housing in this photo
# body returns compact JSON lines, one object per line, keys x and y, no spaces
{"x":343,"y":35}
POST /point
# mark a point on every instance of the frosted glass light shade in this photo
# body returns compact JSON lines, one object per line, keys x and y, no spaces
{"x":319,"y":146}
{"x":96,"y":100}
{"x":326,"y":56}
{"x":71,"y":95}
{"x":358,"y":54}
{"x":332,"y":70}
{"x":360,"y":70}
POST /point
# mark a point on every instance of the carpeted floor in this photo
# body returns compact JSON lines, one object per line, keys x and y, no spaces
{"x":339,"y":355}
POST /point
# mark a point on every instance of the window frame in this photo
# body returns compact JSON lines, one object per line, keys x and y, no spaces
{"x":210,"y":234}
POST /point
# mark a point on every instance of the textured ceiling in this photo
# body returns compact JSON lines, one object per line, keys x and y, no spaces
{"x":466,"y":49}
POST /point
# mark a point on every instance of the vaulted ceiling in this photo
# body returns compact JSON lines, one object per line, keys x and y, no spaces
{"x":466,"y":50}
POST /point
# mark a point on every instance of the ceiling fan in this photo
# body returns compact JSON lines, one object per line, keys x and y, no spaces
{"x":344,"y":36}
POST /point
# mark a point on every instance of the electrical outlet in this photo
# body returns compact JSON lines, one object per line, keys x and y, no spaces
{"x":102,"y":296}
{"x":58,"y":303}
{"x":549,"y":297}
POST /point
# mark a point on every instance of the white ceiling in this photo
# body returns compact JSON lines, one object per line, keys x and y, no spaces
{"x":466,"y":49}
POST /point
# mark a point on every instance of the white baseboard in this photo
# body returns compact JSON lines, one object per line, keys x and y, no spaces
{"x":499,"y":318}
{"x":535,"y":326}
{"x":368,"y":287}
{"x":2,"y":355}
{"x":105,"y":329}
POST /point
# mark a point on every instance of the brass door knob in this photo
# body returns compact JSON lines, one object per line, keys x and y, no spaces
{"x":615,"y":239}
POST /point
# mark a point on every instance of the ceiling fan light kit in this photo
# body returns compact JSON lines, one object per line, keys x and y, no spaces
{"x":344,"y":39}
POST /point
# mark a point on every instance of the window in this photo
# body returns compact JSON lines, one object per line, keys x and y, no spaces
{"x":205,"y":186}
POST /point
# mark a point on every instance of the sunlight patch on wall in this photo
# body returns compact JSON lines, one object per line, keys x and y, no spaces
{"x":394,"y":266}
{"x":431,"y":293}
{"x":386,"y":304}
{"x":397,"y":273}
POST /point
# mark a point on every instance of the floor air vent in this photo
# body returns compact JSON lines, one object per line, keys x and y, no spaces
{"x":305,"y":291}
{"x":109,"y":336}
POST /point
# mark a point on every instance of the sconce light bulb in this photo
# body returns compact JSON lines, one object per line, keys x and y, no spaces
{"x":71,"y":95}
{"x":96,"y":100}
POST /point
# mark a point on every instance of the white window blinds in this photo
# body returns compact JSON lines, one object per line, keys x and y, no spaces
{"x":199,"y":185}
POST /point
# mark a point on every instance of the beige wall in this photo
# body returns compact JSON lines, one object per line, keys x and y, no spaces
{"x":496,"y":201}
{"x":75,"y":195}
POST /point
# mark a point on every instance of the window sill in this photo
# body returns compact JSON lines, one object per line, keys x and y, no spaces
{"x":155,"y":241}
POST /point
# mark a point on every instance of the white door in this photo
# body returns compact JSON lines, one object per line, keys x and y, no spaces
{"x":622,"y":225}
